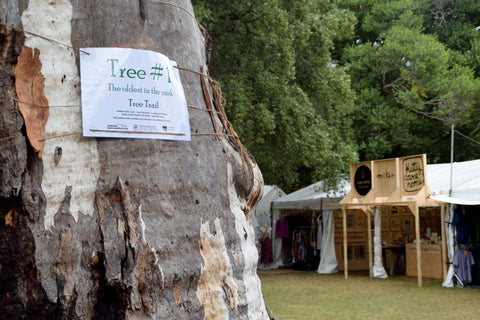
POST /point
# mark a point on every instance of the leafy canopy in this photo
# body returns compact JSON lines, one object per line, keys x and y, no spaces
{"x":287,"y":99}
{"x":411,"y":87}
{"x":312,"y":86}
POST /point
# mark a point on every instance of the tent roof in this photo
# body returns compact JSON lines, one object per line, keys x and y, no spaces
{"x":270,"y":193}
{"x":312,"y":197}
{"x":267,"y":189}
{"x":465,"y":182}
{"x":466,"y":188}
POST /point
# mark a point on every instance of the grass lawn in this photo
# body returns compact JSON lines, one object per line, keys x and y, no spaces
{"x":309,"y":295}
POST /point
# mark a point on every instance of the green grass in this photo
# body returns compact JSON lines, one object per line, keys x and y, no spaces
{"x":309,"y":295}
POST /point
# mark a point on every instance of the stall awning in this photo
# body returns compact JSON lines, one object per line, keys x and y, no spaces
{"x":454,"y":200}
{"x":388,"y":182}
{"x":314,"y":197}
{"x":462,"y":177}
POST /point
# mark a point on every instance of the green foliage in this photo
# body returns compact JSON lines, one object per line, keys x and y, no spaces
{"x":411,"y":86}
{"x":382,"y":16}
{"x":454,"y":22}
{"x":312,"y":84}
{"x":287,"y":100}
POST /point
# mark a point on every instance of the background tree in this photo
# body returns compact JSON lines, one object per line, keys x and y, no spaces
{"x":411,"y":87}
{"x":311,"y":84}
{"x":288,"y":100}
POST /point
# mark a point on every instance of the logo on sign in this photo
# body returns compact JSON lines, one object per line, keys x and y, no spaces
{"x":363,"y":180}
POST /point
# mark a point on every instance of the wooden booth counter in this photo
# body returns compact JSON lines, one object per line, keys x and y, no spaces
{"x":431,"y":260}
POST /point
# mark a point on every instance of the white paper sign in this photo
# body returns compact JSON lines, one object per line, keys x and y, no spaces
{"x":130,"y":93}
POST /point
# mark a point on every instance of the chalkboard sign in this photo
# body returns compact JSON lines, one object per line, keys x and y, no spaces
{"x":413,"y":174}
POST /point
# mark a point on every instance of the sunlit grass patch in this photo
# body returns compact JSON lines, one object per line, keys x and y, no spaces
{"x":309,"y":295}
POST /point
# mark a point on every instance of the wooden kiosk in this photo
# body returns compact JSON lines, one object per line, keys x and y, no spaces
{"x":391,"y":182}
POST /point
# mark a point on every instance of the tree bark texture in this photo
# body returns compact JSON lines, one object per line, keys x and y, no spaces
{"x":117,"y":228}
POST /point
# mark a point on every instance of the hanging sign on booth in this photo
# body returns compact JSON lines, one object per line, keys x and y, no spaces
{"x":131,"y":93}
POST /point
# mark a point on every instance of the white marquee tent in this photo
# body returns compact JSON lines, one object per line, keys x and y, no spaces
{"x":463,"y":180}
{"x":465,"y":185}
{"x":313,"y":198}
{"x":263,"y":210}
{"x":262,"y":215}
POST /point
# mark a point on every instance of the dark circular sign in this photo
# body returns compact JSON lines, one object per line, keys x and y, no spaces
{"x":363,"y":180}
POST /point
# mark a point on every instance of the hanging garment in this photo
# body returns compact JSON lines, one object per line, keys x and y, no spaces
{"x":463,"y":262}
{"x":282,"y":228}
{"x":462,"y":221}
{"x":266,"y":251}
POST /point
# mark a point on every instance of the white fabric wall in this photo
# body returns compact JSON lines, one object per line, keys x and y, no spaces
{"x":328,"y":259}
{"x":450,"y":234}
{"x":378,"y":269}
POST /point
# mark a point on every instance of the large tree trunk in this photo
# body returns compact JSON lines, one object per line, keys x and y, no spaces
{"x":116,"y":228}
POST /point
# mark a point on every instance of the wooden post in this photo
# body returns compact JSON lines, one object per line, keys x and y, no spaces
{"x":419,"y":248}
{"x":345,"y":250}
{"x":444,"y":242}
{"x":369,"y":232}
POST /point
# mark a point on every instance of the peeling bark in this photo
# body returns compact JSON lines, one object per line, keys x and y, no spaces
{"x":29,"y":85}
{"x":21,"y":291}
{"x":120,"y":228}
{"x":13,"y":148}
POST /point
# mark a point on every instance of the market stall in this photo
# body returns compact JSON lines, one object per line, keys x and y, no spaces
{"x":303,"y":227}
{"x":458,"y":185}
{"x":262,"y":224}
{"x":384,"y":188}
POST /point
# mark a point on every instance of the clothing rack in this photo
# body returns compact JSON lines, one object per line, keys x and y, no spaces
{"x":300,"y":247}
{"x":302,"y":227}
{"x":468,"y":245}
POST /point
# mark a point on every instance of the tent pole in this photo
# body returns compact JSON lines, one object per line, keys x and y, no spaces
{"x":345,"y":253}
{"x":419,"y":248}
{"x":444,"y":242}
{"x":369,"y":231}
{"x":451,"y":160}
